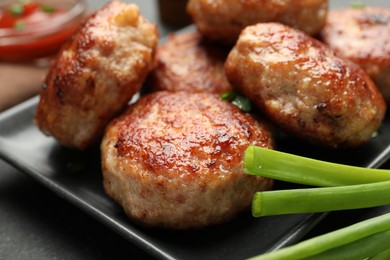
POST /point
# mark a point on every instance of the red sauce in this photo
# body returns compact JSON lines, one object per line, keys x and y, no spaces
{"x":32,"y":31}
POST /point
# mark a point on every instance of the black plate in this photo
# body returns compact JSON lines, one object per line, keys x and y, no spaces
{"x":76,"y":176}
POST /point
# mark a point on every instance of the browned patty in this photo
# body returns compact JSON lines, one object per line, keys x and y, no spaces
{"x":223,"y":20}
{"x":363,"y":36}
{"x":305,"y":89}
{"x":188,"y":62}
{"x":95,"y":74}
{"x":175,"y":160}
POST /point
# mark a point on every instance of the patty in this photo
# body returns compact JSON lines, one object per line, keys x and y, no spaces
{"x":223,"y":20}
{"x":175,"y":160}
{"x":304,"y":88}
{"x":188,"y":62}
{"x":95,"y":74}
{"x":363,"y":36}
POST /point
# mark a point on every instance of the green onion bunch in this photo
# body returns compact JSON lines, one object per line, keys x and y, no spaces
{"x":336,"y":187}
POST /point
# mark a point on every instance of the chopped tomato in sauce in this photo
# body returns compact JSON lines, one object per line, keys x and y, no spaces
{"x":26,"y":12}
{"x":35,"y":20}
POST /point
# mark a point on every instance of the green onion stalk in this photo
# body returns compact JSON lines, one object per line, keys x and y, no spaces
{"x":361,"y":240}
{"x":384,"y":255}
{"x":292,"y":168}
{"x":242,"y":102}
{"x":376,"y":245}
{"x":294,"y":201}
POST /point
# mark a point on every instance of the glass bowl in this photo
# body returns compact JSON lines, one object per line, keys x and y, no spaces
{"x":41,"y":35}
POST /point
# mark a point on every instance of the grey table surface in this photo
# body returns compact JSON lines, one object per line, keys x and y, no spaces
{"x":36,"y":224}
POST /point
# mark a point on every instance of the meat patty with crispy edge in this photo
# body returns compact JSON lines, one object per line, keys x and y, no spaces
{"x":175,"y":160}
{"x":303,"y":88}
{"x":188,"y":62}
{"x":223,"y":20}
{"x":95,"y":74}
{"x":363,"y":36}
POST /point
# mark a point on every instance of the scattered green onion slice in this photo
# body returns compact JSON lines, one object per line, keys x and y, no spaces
{"x":229,"y":96}
{"x":19,"y":25}
{"x":292,"y":168}
{"x":47,"y":8}
{"x":241,"y":102}
{"x":323,"y":243}
{"x":16,"y":9}
{"x":309,"y":200}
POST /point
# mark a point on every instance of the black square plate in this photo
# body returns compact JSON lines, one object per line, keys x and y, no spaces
{"x":76,"y":176}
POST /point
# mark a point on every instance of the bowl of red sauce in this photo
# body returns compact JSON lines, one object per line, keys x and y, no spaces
{"x":34,"y":29}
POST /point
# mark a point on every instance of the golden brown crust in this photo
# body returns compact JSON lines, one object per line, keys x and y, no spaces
{"x":95,"y":74}
{"x":223,"y":20}
{"x":363,"y":36}
{"x":304,"y":88}
{"x":188,"y":62}
{"x":174,"y":159}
